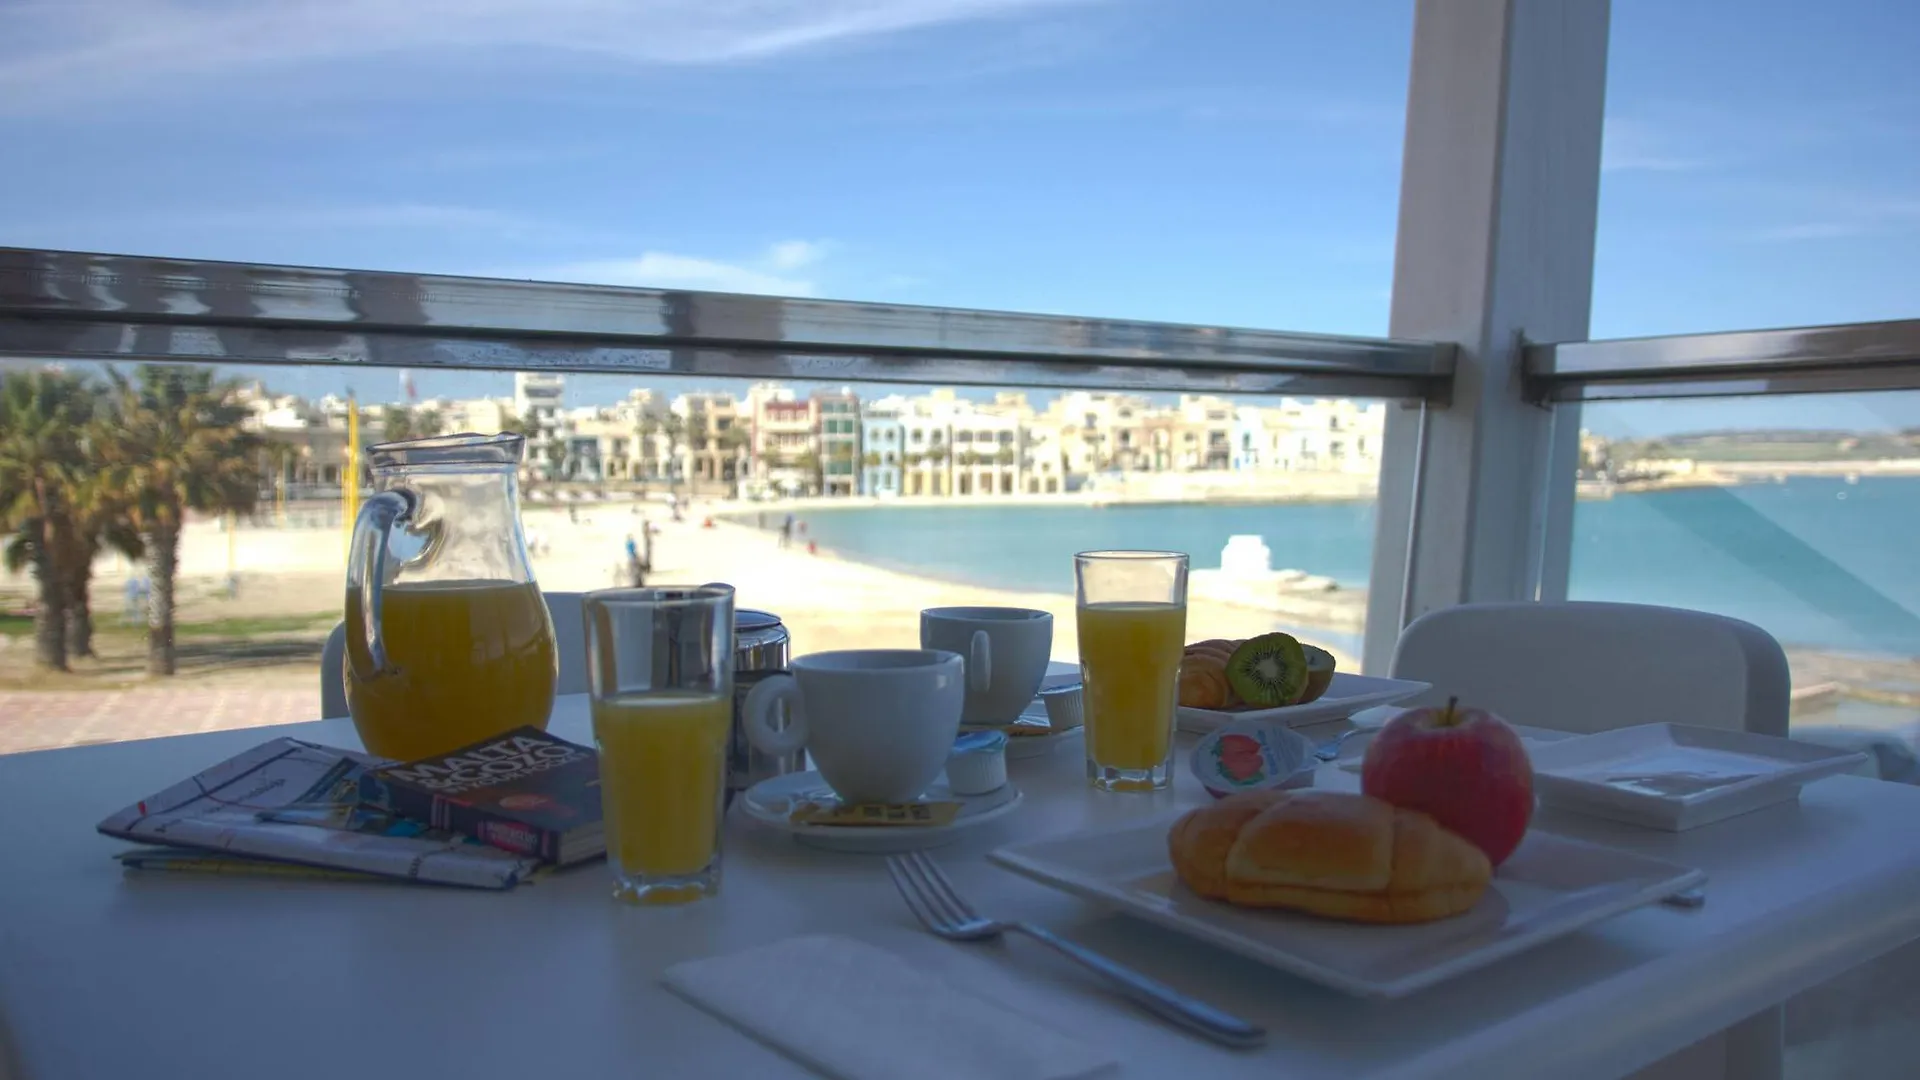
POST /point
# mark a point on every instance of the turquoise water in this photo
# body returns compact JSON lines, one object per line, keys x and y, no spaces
{"x":1815,"y":561}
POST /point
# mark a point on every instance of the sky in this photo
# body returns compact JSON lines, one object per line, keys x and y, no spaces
{"x":1234,"y":162}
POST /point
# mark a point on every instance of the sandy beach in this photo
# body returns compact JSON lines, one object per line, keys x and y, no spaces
{"x":290,"y":582}
{"x":827,"y":602}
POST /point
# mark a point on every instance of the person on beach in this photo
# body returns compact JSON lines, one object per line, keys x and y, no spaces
{"x":636,"y":572}
{"x":786,"y":532}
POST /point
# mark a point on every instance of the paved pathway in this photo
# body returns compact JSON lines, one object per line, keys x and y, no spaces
{"x":36,"y":720}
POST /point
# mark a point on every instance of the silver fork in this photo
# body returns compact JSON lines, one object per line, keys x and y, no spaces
{"x":942,"y":910}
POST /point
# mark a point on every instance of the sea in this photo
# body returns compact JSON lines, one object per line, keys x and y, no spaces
{"x":1819,"y":562}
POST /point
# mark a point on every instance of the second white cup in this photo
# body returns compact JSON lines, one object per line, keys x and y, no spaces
{"x":878,"y":723}
{"x":1006,"y":648}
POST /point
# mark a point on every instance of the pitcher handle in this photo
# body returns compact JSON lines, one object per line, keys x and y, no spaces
{"x":378,"y":515}
{"x":756,"y":716}
{"x":980,"y":663}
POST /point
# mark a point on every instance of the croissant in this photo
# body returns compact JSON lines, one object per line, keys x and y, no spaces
{"x":1340,"y":855}
{"x":1203,"y":685}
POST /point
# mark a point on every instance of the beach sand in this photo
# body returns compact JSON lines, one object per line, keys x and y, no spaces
{"x":827,"y":602}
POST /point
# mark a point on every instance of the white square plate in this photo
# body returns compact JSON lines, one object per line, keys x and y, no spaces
{"x":1678,"y":777}
{"x":1550,"y":887}
{"x":1346,"y":694}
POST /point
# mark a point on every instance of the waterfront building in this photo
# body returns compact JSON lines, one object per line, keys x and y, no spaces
{"x":839,"y":441}
{"x":882,"y":439}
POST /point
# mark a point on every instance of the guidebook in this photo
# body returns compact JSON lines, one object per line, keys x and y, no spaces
{"x":524,"y":791}
{"x":299,"y":802}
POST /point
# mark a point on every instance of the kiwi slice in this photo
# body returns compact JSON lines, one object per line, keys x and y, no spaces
{"x":1268,"y":670}
{"x":1319,"y":673}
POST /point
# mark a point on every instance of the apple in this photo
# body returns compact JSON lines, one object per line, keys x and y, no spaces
{"x":1464,"y":768}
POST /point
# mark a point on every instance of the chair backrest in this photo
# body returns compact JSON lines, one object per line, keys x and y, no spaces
{"x":333,"y":673}
{"x":1586,"y":667}
{"x":569,"y":640}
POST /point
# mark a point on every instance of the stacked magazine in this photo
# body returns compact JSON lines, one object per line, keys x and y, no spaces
{"x":485,"y":816}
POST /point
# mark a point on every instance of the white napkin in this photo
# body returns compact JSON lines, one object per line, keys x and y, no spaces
{"x":857,"y":1012}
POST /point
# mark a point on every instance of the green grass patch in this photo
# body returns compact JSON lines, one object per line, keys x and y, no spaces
{"x":240,"y":626}
{"x":15,"y":624}
{"x":248,"y":626}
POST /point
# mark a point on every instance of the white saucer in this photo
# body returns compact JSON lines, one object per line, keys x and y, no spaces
{"x":771,"y":800}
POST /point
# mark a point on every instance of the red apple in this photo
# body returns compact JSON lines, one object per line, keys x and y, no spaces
{"x":1465,"y":768}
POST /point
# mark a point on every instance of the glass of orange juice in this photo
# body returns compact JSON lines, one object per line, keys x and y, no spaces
{"x":1131,"y":609}
{"x":660,"y":667}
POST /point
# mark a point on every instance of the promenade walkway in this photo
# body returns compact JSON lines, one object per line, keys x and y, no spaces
{"x":37,"y":720}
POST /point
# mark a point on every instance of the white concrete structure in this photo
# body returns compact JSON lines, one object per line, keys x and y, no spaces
{"x":538,"y":398}
{"x":883,"y":439}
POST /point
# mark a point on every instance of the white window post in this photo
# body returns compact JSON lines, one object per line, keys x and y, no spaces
{"x":1498,"y":200}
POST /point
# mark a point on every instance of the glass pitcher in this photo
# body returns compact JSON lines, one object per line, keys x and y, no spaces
{"x":448,"y":638}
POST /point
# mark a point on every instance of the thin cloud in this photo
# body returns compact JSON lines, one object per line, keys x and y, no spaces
{"x":1836,"y":214}
{"x":1811,"y":230}
{"x":50,"y":49}
{"x":794,"y":254}
{"x":772,"y":273}
{"x":1636,"y":145}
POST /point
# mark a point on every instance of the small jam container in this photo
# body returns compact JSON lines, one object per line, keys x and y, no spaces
{"x":1065,"y":710}
{"x":978,"y":763}
{"x":1247,"y":755}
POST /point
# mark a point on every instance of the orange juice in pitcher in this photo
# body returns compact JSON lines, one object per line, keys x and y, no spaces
{"x":449,"y":640}
{"x":471,"y":659}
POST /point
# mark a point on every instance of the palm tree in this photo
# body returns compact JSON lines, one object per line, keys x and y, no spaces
{"x":808,"y":463}
{"x":512,"y":424}
{"x":396,"y":424}
{"x":42,"y":415}
{"x":100,"y":521}
{"x":674,"y":427}
{"x":175,"y":445}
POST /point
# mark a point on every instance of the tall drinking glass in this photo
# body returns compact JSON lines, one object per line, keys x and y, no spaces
{"x":1131,"y":608}
{"x":660,"y":666}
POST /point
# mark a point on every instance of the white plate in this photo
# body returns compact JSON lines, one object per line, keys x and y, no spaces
{"x":1354,"y":753}
{"x":1550,"y":887}
{"x":1346,"y":695}
{"x":1678,"y":777}
{"x":771,"y":800}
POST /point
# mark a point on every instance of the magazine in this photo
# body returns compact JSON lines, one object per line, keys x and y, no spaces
{"x":300,"y":802}
{"x":524,"y":791}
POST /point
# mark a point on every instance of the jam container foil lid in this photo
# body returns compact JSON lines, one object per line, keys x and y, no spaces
{"x":1250,"y":755}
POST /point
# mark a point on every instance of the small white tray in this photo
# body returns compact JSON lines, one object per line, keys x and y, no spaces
{"x":1346,"y":694}
{"x":1676,"y":776}
{"x":1550,"y":887}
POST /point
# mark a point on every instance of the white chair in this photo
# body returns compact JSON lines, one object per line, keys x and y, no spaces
{"x":1588,"y":667}
{"x":569,"y":639}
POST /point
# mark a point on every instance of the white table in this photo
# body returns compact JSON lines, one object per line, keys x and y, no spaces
{"x":111,"y":975}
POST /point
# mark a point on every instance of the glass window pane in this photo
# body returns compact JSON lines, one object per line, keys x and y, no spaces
{"x":714,"y":468}
{"x":1139,"y":160}
{"x":1805,"y":532}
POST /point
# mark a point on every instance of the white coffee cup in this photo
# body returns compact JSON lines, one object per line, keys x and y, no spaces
{"x":1007,"y":650}
{"x":878,"y":723}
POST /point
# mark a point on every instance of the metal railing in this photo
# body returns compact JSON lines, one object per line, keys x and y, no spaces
{"x":1814,"y":359}
{"x":57,"y":305}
